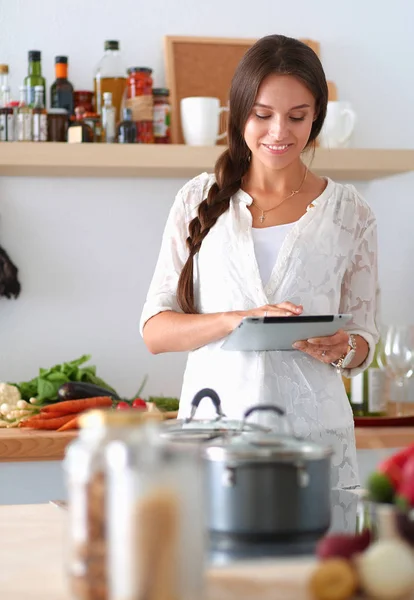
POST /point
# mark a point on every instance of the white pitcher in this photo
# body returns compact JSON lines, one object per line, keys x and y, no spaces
{"x":338,"y":126}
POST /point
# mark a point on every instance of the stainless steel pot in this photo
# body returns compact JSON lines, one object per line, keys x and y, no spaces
{"x":265,"y":486}
{"x":193,"y":430}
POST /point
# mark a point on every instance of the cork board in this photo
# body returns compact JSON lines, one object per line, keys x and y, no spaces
{"x":200,"y":66}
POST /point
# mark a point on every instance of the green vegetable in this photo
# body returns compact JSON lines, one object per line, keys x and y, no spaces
{"x":380,"y":488}
{"x":44,"y":388}
{"x":164,"y":403}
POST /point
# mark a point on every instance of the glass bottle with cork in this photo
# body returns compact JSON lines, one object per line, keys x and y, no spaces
{"x":6,"y":117}
{"x":127,"y":130}
{"x":61,"y":90}
{"x":24,"y":117}
{"x":34,"y":78}
{"x":108,"y":119}
{"x":110,"y":76}
{"x":140,"y":101}
{"x":162,"y":115}
{"x":39,"y":116}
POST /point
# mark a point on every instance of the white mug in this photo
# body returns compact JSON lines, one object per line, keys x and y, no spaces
{"x":200,"y":120}
{"x":338,"y":126}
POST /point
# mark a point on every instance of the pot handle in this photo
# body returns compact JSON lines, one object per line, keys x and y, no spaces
{"x":279,"y":411}
{"x":205,"y":393}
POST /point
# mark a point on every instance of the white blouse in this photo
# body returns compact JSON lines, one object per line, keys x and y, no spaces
{"x":327,"y":263}
{"x":267,"y":242}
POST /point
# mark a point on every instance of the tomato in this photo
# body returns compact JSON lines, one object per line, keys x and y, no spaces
{"x":123,"y":406}
{"x":394,"y":464}
{"x":407,"y":483}
{"x":139,"y":403}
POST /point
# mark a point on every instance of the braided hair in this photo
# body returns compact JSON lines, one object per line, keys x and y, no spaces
{"x":273,"y":54}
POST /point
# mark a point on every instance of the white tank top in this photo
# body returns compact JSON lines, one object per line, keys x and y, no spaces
{"x":267,"y":244}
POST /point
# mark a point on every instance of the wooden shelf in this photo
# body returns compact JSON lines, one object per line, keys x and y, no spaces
{"x":156,"y":160}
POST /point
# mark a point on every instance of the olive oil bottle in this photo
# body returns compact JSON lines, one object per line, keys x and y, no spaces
{"x":368,"y":395}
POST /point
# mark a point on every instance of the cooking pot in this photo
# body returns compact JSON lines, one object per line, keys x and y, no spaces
{"x":191,"y":430}
{"x":265,"y":486}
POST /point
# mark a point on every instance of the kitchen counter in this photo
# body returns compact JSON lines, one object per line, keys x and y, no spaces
{"x":37,"y":573}
{"x":30,"y":445}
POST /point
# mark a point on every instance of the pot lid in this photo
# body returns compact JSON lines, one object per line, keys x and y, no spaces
{"x":204,"y":430}
{"x":200,"y":430}
{"x":265,"y":447}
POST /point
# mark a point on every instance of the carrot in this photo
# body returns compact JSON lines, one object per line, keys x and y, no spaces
{"x":75,"y":406}
{"x":52,"y":424}
{"x":72,"y":424}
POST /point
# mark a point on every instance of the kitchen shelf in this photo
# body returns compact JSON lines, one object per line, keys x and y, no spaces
{"x":157,"y":160}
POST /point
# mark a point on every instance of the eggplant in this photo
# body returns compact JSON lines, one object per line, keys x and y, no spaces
{"x":76,"y":390}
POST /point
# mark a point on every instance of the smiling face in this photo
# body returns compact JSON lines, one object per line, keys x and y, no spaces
{"x":278,"y":127}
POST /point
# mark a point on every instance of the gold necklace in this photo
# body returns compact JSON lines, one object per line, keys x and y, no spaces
{"x":293,"y":193}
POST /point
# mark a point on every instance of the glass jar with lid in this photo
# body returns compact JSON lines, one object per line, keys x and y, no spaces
{"x":156,"y":531}
{"x":84,"y":466}
{"x":162,"y":115}
{"x":140,"y":100}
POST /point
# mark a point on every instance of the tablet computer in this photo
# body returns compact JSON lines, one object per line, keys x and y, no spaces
{"x":280,"y":333}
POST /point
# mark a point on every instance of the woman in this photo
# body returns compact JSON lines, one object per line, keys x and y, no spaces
{"x":266,"y":236}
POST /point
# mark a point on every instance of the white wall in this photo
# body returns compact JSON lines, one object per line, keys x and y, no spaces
{"x":86,"y":248}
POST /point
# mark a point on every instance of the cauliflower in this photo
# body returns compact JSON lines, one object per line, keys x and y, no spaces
{"x":9,"y":394}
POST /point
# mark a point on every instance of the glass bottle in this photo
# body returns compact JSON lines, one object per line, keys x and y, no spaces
{"x":79,"y":131}
{"x":108,"y":119}
{"x":6,"y":117}
{"x":61,"y":91}
{"x":39,"y":116}
{"x":4,"y":81}
{"x":162,"y":115}
{"x":110,"y":76}
{"x":127,"y":130}
{"x":24,"y":117}
{"x":34,"y":78}
{"x":369,"y":390}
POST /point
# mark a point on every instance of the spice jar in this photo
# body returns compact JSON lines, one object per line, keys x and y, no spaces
{"x":84,"y":99}
{"x":140,"y":101}
{"x":94,"y":121}
{"x":84,"y":466}
{"x":162,"y":115}
{"x":156,"y":531}
{"x":57,"y":125}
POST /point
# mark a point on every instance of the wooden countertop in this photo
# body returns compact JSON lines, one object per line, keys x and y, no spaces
{"x":32,"y":563}
{"x":29,"y":445}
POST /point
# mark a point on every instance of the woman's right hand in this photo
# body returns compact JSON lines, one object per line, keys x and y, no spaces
{"x":284,"y":309}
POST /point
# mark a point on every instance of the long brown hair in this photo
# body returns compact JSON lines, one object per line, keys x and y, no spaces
{"x":273,"y":54}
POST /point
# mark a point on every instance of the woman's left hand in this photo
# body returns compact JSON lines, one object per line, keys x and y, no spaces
{"x":326,"y":349}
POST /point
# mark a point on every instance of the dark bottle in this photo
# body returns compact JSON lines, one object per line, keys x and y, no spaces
{"x":61,"y":90}
{"x":127,"y":130}
{"x":34,"y":77}
{"x":79,"y":131}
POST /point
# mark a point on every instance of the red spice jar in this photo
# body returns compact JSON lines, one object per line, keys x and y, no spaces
{"x":140,"y":101}
{"x":84,"y":99}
